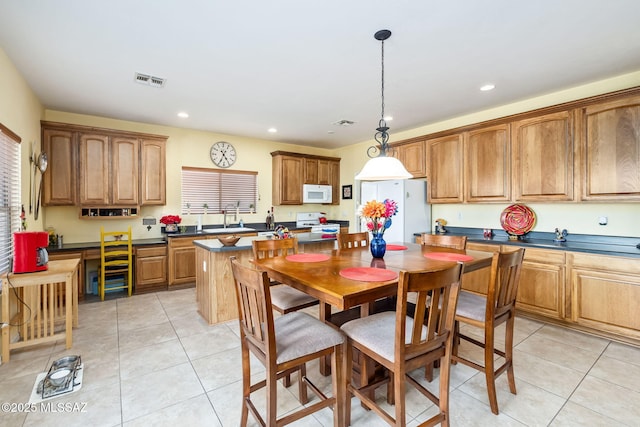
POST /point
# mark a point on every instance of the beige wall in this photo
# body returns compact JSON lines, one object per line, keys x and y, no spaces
{"x":21,"y":112}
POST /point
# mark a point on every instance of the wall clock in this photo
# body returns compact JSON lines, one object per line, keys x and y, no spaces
{"x":223,"y":154}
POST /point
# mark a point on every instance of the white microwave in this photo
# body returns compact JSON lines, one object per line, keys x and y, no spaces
{"x":312,"y":193}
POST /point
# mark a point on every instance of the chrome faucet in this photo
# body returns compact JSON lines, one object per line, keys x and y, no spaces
{"x":226,"y":211}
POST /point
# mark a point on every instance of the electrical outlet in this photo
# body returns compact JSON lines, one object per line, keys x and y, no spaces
{"x":459,"y":216}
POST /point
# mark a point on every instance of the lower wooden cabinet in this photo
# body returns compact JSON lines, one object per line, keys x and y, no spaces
{"x":71,"y":255}
{"x":151,"y":268}
{"x":542,"y":282}
{"x":605,"y":293}
{"x":182,"y":260}
{"x":478,"y":281}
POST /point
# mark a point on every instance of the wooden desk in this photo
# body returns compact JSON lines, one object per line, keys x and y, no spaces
{"x":52,"y":298}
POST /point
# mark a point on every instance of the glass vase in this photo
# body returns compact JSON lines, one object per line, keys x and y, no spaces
{"x":377,"y":245}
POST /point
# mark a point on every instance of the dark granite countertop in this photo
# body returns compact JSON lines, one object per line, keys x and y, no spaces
{"x":605,"y":245}
{"x":257,"y":228}
{"x":70,"y":247}
{"x":245,"y":243}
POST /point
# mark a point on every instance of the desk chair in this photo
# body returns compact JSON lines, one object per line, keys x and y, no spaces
{"x":442,"y":240}
{"x":487,"y":312}
{"x":116,"y":261}
{"x":402,"y":344}
{"x":283,"y":345}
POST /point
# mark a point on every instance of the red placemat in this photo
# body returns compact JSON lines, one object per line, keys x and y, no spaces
{"x":396,"y":248}
{"x":368,"y":274}
{"x":307,"y":257}
{"x":448,"y":256}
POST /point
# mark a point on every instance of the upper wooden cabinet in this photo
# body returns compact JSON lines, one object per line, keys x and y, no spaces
{"x":60,"y":146}
{"x":543,"y":158}
{"x":445,"y":170}
{"x":115,"y":168}
{"x":413,"y":157}
{"x":153,"y":172}
{"x":611,"y":150}
{"x":292,"y":170}
{"x":487,"y":163}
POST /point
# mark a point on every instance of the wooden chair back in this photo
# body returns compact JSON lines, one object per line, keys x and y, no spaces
{"x":274,"y":247}
{"x":116,"y":259}
{"x":348,"y":241}
{"x":503,"y":285}
{"x":254,"y":308}
{"x":443,"y":240}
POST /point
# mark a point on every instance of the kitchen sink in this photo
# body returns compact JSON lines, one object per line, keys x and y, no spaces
{"x":228,"y":230}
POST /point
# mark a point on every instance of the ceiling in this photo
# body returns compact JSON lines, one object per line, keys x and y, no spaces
{"x":242,"y":67}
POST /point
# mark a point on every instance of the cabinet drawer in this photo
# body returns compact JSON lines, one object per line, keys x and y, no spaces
{"x":152,"y":251}
{"x":486,"y":247}
{"x":184,"y":242}
{"x":544,"y":256}
{"x":606,"y":263}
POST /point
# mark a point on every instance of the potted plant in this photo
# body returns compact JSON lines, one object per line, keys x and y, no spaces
{"x":171,"y":223}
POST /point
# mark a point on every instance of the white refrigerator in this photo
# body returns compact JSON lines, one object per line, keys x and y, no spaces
{"x":414,"y":214}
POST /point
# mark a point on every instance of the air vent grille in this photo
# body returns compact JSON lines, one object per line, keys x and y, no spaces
{"x":149,"y":80}
{"x":344,"y":122}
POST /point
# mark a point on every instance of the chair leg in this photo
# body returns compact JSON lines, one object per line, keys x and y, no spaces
{"x":399,"y":391}
{"x":489,"y":370}
{"x":339,"y":392}
{"x":246,"y":386}
{"x":509,"y":353}
{"x":302,"y":386}
{"x":347,"y":381}
{"x":272,"y":402}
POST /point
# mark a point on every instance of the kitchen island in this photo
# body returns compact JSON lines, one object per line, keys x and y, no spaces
{"x":215,"y":292}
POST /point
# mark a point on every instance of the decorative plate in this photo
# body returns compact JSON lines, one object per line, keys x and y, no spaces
{"x":517,"y":219}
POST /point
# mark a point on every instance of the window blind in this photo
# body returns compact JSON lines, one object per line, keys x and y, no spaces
{"x":9,"y":194}
{"x":218,"y":189}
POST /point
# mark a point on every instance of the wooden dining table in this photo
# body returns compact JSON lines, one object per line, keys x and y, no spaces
{"x":321,"y":277}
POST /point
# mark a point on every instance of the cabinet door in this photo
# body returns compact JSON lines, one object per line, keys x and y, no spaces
{"x":444,"y":175}
{"x":287,"y":180}
{"x":413,"y":158}
{"x":488,"y":164}
{"x":59,"y":180}
{"x":310,"y":171}
{"x":334,"y":173}
{"x":611,"y":146}
{"x":94,"y":170}
{"x":542,"y":283}
{"x":124,"y":171}
{"x":182,"y":260}
{"x":324,"y":172}
{"x":152,"y":173}
{"x":543,"y":158}
{"x":151,"y":268}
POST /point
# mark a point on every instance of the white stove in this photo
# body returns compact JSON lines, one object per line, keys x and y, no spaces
{"x":312,"y":219}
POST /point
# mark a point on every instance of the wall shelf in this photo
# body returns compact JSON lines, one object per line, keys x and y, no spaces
{"x":102,"y":213}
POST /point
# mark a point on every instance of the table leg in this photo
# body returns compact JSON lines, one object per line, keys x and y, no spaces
{"x":5,"y":321}
{"x":325,"y":315}
{"x":69,"y":310}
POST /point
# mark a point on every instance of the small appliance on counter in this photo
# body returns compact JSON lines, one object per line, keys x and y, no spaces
{"x":30,"y":251}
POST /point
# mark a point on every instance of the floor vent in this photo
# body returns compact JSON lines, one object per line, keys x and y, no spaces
{"x":148,"y":80}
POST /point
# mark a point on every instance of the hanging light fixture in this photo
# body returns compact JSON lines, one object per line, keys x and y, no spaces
{"x":381,"y":166}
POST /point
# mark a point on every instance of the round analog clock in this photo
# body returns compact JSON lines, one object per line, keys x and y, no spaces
{"x":223,"y":154}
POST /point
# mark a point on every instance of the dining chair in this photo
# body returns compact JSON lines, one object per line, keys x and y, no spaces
{"x":285,"y":299}
{"x":443,"y":240}
{"x":348,"y":241}
{"x":402,"y":344}
{"x":283,"y":345}
{"x":487,"y":312}
{"x":116,"y":262}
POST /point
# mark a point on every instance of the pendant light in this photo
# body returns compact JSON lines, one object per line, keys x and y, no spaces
{"x":381,"y":166}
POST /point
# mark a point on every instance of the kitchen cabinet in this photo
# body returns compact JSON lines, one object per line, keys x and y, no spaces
{"x":605,"y":293}
{"x":611,"y":150}
{"x":487,"y":161}
{"x":543,"y":158}
{"x":73,"y":255}
{"x":60,"y":147}
{"x":478,"y":281}
{"x":445,"y":169}
{"x":153,"y":172}
{"x":114,"y":168}
{"x":292,"y":170}
{"x":542,"y":282}
{"x":182,"y":260}
{"x":413,"y":157}
{"x":151,"y":268}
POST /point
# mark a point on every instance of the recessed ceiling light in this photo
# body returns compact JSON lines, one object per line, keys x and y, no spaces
{"x":487,"y":87}
{"x":272,"y":130}
{"x":183,"y":115}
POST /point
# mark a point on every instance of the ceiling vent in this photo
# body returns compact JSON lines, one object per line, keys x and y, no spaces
{"x":343,"y":123}
{"x":148,"y":80}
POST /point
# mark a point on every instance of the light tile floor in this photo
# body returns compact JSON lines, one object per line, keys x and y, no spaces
{"x":152,"y":360}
